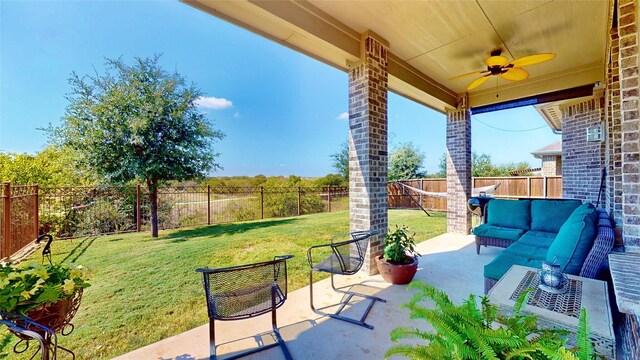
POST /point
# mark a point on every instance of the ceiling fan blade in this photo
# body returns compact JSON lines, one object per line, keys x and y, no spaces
{"x":468,"y":74}
{"x":477,"y":82}
{"x":515,"y":74}
{"x":532,"y":59}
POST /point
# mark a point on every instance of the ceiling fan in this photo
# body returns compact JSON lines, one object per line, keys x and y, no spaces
{"x":499,"y":65}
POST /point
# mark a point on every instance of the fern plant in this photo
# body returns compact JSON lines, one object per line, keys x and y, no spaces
{"x":469,"y":332}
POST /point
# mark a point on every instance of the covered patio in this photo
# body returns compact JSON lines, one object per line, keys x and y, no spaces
{"x":449,"y":262}
{"x":415,"y":49}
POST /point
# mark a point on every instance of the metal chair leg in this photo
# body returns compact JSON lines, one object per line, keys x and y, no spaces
{"x":351,"y":294}
{"x":212,"y":340}
{"x":279,"y":341}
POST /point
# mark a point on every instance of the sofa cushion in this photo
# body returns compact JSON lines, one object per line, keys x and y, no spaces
{"x":539,"y":239}
{"x":515,"y":214}
{"x":505,"y":260}
{"x":549,"y":215}
{"x":574,"y":240}
{"x":487,"y":230}
{"x":531,"y":248}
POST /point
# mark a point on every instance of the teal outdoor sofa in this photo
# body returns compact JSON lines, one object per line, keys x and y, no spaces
{"x":575,"y":235}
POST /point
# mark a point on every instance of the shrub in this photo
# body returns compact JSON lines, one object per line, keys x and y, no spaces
{"x":105,"y":216}
{"x":466,"y":332}
{"x":398,"y":245}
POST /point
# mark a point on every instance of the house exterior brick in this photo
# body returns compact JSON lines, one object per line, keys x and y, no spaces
{"x":551,"y":165}
{"x":583,"y":161}
{"x":630,"y":123}
{"x":614,"y":134}
{"x":623,"y":158}
{"x":458,"y":168}
{"x":368,"y":83}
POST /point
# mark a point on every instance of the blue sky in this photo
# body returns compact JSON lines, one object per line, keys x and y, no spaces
{"x":282,"y":114}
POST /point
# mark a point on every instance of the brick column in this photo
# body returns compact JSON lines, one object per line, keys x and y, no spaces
{"x":458,"y":168}
{"x":368,"y":144}
{"x":630,"y":122}
{"x":582,"y":160}
{"x":614,"y":134}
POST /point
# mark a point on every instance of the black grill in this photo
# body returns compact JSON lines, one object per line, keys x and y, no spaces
{"x":477,"y":203}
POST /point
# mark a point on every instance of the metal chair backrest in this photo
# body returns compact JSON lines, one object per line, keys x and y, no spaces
{"x":351,"y":253}
{"x":245,"y":291}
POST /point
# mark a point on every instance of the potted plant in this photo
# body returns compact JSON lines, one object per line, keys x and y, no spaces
{"x":44,"y":293}
{"x":399,"y":263}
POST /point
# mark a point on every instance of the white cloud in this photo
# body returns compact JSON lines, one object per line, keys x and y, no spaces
{"x":212,"y":102}
{"x":237,"y":115}
{"x":343,"y":116}
{"x":281,"y":165}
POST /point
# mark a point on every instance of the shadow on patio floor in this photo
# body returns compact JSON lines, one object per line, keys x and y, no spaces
{"x":449,"y":262}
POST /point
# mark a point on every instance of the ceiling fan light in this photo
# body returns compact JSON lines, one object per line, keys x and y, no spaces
{"x":497,"y":61}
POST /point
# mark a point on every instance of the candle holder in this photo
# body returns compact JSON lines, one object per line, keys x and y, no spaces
{"x":552,"y":279}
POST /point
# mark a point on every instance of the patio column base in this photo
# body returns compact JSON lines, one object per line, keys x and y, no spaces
{"x":368,"y":82}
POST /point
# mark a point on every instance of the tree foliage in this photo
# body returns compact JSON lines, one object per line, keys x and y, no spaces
{"x":281,"y":200}
{"x":340,"y":160}
{"x":49,"y":167}
{"x":330,"y":180}
{"x":482,"y":166}
{"x":138,"y":122}
{"x":406,"y":162}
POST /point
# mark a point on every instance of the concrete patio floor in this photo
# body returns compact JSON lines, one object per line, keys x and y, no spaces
{"x":448,"y":262}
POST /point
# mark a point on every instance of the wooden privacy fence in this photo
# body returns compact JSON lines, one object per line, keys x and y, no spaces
{"x":541,"y":187}
{"x":18,"y":217}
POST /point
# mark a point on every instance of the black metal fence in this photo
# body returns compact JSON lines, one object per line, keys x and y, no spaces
{"x":69,"y":212}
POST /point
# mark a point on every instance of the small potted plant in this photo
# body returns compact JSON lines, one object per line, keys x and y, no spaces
{"x":43,"y":293}
{"x":399,"y":263}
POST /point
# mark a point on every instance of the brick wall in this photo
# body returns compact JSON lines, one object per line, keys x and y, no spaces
{"x":368,"y":146}
{"x":614,"y":134}
{"x":551,"y":165}
{"x":624,"y":151}
{"x":458,"y":169}
{"x":582,"y":161}
{"x":630,"y":122}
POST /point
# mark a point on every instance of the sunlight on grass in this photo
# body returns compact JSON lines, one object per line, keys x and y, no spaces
{"x":146,"y":289}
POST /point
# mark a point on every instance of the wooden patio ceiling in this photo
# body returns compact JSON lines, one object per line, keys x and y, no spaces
{"x":432,"y":41}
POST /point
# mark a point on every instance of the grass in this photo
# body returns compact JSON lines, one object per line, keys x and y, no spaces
{"x":146,"y":289}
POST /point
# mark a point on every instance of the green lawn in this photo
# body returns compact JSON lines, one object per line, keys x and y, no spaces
{"x":146,"y":289}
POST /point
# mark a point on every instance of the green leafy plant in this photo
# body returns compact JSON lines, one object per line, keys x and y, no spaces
{"x":35,"y":285}
{"x":398,"y":245}
{"x":469,"y":332}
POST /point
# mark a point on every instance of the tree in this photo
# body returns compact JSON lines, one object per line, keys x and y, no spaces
{"x":138,"y":122}
{"x":330,"y":180}
{"x":482,"y":166}
{"x":47,"y":168}
{"x":341,"y":160}
{"x":442,"y":166}
{"x":406,"y":162}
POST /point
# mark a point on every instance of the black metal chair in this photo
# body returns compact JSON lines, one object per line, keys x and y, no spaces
{"x":246,"y":291}
{"x":346,"y":258}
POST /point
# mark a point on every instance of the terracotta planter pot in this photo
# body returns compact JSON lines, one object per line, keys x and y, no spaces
{"x":397,"y":274}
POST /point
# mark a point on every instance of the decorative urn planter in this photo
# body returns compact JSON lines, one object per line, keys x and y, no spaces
{"x":52,"y":316}
{"x":397,"y":274}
